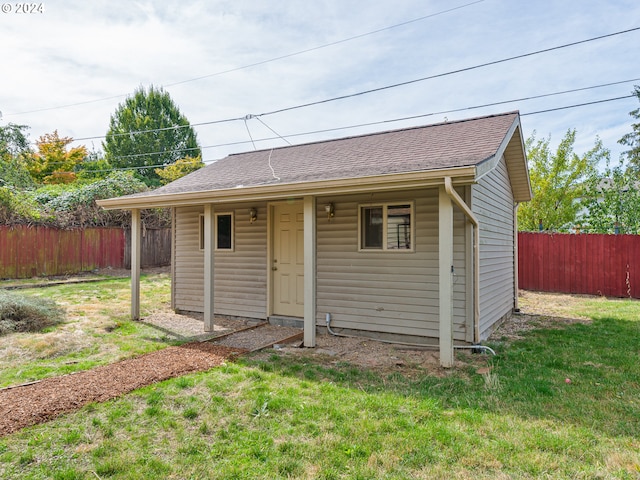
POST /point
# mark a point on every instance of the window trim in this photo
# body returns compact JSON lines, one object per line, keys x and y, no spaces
{"x":215,"y":227}
{"x":385,"y":223}
{"x":232,"y":231}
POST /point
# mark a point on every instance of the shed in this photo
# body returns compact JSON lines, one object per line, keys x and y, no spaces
{"x":405,"y":235}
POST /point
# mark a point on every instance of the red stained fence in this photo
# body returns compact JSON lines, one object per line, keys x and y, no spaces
{"x":41,"y":251}
{"x":593,"y":264}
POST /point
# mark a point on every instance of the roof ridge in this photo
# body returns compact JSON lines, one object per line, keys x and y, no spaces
{"x":372,"y":134}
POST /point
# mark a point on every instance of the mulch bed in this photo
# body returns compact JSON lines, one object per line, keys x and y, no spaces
{"x":41,"y":401}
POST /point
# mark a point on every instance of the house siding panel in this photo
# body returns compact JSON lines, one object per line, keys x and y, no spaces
{"x":240,"y":281}
{"x":390,"y":292}
{"x":188,"y":261}
{"x":492,"y":203}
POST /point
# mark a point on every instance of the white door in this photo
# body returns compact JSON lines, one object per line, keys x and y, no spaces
{"x":288,"y":260}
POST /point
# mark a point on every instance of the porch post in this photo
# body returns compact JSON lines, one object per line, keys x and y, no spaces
{"x":310,"y":271}
{"x":445,"y":253}
{"x":208,"y":267}
{"x":135,"y":264}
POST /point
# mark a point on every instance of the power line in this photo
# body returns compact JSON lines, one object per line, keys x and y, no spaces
{"x":412,"y":117}
{"x":387,"y":87}
{"x":263,"y":62}
{"x":532,"y":97}
{"x":331,"y":44}
{"x":577,"y":105}
{"x":451,"y":72}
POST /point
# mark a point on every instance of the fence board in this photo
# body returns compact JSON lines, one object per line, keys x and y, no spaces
{"x":40,"y":251}
{"x":589,"y":263}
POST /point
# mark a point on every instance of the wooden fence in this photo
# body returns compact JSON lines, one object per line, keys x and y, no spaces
{"x":41,"y":251}
{"x":593,"y":264}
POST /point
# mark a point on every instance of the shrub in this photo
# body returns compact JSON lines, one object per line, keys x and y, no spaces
{"x":17,"y":207}
{"x":20,"y":313}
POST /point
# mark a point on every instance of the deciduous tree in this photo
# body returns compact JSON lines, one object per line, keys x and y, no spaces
{"x":612,"y":202}
{"x":558,"y":182}
{"x":14,"y":148}
{"x":632,"y":139}
{"x":53,"y":162}
{"x":179,"y":169}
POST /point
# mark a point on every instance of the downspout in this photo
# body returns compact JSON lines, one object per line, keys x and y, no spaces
{"x":476,"y":280}
{"x":448,"y":186}
{"x":516,"y":286}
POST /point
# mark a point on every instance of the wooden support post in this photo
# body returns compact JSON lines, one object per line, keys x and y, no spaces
{"x":209,"y":246}
{"x":135,"y":264}
{"x":310,"y":271}
{"x":445,"y":253}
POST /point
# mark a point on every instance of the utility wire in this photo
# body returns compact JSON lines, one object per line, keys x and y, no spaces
{"x":521,"y":99}
{"x":412,"y":117}
{"x":208,"y":161}
{"x":387,"y":87}
{"x":280,"y":136}
{"x":331,"y":44}
{"x":451,"y":72}
{"x":262,"y":62}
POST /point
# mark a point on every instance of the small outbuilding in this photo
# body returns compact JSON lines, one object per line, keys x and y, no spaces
{"x":405,"y":235}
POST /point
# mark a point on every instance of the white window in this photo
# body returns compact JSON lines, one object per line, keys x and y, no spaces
{"x":223,"y":231}
{"x":388,"y":227}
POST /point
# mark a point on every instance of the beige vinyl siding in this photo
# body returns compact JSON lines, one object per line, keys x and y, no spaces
{"x":240,"y":284}
{"x":189,"y":260}
{"x":240,"y":275}
{"x":393,"y":291}
{"x":493,"y":205}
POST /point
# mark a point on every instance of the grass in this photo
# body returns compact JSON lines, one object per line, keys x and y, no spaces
{"x":97,"y":330}
{"x":278,"y":416}
{"x":21,"y":313}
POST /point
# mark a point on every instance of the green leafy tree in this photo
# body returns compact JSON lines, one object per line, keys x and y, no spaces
{"x":632,"y":139}
{"x":94,"y":167}
{"x":612,"y":202}
{"x":558,"y":182}
{"x":54,"y":162}
{"x":179,"y":169}
{"x":148,"y":130}
{"x":14,"y":149}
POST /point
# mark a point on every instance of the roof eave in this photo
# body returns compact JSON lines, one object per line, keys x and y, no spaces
{"x":459,"y":175}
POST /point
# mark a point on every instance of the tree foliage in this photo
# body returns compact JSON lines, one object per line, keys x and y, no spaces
{"x":557,"y":182}
{"x":179,"y":169}
{"x":612,"y":202}
{"x":14,"y":148}
{"x":53,"y":162}
{"x":149,"y":130}
{"x":632,"y":139}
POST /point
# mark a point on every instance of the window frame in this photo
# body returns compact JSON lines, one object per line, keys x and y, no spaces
{"x":216,"y":231}
{"x":385,"y":226}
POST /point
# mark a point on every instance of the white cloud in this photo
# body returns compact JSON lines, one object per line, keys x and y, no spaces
{"x":83,"y":51}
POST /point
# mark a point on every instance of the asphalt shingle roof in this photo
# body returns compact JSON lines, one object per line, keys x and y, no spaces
{"x":432,"y":147}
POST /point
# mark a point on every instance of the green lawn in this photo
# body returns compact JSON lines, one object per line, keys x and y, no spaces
{"x":97,"y":329}
{"x":280,"y":416}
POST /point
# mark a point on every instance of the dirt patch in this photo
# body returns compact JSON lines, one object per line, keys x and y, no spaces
{"x":555,"y":305}
{"x":22,"y":406}
{"x":191,"y":326}
{"x":383,"y":358}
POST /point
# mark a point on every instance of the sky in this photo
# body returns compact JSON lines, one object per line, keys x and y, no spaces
{"x":67,"y":66}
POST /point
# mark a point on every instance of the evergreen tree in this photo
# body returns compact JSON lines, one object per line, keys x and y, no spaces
{"x":148,"y":130}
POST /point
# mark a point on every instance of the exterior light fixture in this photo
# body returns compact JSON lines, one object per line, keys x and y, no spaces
{"x":253,"y":215}
{"x":329,"y":209}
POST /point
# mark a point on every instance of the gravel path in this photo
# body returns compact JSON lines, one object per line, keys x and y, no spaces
{"x":22,"y":406}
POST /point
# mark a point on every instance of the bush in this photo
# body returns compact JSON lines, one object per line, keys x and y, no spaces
{"x":20,"y":313}
{"x":18,"y":207}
